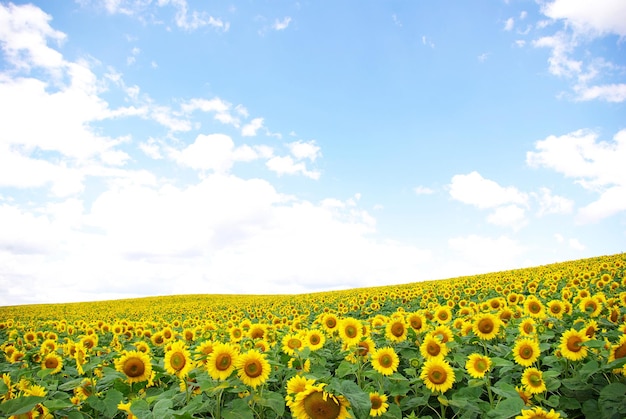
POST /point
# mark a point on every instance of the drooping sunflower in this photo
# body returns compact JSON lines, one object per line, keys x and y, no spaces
{"x":86,"y":388}
{"x":538,"y":413}
{"x":350,"y":330}
{"x":253,"y":368}
{"x":477,"y":365}
{"x":526,"y":351}
{"x":572,"y":345}
{"x":395,"y":330}
{"x":437,"y":375}
{"x":315,"y":403}
{"x":486,"y":326}
{"x":432,"y":347}
{"x":379,"y":404}
{"x":618,"y":351}
{"x":52,"y":361}
{"x":135,"y":366}
{"x":532,"y":379}
{"x":385,"y":360}
{"x":314,"y":339}
{"x":177,"y":359}
{"x":221,"y":362}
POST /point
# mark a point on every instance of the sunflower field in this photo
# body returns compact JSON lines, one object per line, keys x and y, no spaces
{"x":544,"y":342}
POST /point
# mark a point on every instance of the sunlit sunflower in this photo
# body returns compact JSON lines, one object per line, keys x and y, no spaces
{"x":53,"y":362}
{"x":379,"y":404}
{"x":486,"y":326}
{"x":177,"y":359}
{"x":416,"y":321}
{"x":385,"y":360}
{"x":47,"y":346}
{"x":572,"y":345}
{"x":432,"y":347}
{"x":135,"y":366}
{"x":295,"y":385}
{"x":292,"y":342}
{"x":443,"y":315}
{"x":556,"y":308}
{"x":361,"y":350}
{"x":477,"y":365}
{"x":396,"y":330}
{"x":315,"y":403}
{"x":86,"y":388}
{"x":591,"y":306}
{"x":253,"y":368}
{"x":314,"y":339}
{"x":330,"y":322}
{"x":527,"y":326}
{"x":526,"y":351}
{"x":221,"y":362}
{"x":257,"y":331}
{"x":534,"y":308}
{"x":538,"y":413}
{"x":443,"y":332}
{"x":532,"y":379}
{"x":350,"y":330}
{"x":158,"y":339}
{"x":142,"y":346}
{"x":437,"y":375}
{"x":618,"y":351}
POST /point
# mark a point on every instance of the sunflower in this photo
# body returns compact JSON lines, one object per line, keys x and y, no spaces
{"x":532,"y":379}
{"x":314,"y":339}
{"x":86,"y":388}
{"x":572,"y":345}
{"x":379,"y":404}
{"x":350,"y":330}
{"x":395,"y":330}
{"x":385,"y":360}
{"x":432,"y":347}
{"x":618,"y":351}
{"x":538,"y":413}
{"x":591,"y":327}
{"x":443,"y":314}
{"x":203,"y":351}
{"x":590,"y":305}
{"x":527,"y":326}
{"x":177,"y":359}
{"x":556,"y":308}
{"x":416,"y":321}
{"x":330,"y":322}
{"x":486,"y":326}
{"x":53,"y":362}
{"x":253,"y":368}
{"x":534,"y":308}
{"x":221,"y":362}
{"x":477,"y":365}
{"x":292,"y":342}
{"x":443,"y":332}
{"x":315,"y":403}
{"x":135,"y":366}
{"x":295,"y":385}
{"x":526,"y":351}
{"x":437,"y":375}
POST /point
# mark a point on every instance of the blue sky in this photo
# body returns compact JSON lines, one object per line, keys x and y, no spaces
{"x":177,"y":146}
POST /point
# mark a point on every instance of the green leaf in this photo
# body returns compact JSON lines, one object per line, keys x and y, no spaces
{"x":569,"y":403}
{"x":598,"y":344}
{"x":359,"y":399}
{"x":141,"y":409}
{"x":112,"y":399}
{"x":506,"y":390}
{"x":75,"y":414}
{"x":588,"y":369}
{"x":57,"y":404}
{"x":507,"y":408}
{"x":501,"y":362}
{"x":162,"y":408}
{"x":20,"y":405}
{"x":612,"y":400}
{"x":239,"y":409}
{"x":274,"y":401}
{"x":346,"y":368}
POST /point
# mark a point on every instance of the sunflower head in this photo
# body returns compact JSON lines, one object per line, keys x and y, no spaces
{"x":135,"y":366}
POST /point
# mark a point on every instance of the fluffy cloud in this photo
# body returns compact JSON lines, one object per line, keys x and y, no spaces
{"x":304,"y":150}
{"x":483,"y":193}
{"x":482,"y":254}
{"x":552,"y":204}
{"x":596,"y":165}
{"x":583,"y":22}
{"x":250,"y":129}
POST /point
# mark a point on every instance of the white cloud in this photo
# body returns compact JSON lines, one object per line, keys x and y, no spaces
{"x":423,"y":190}
{"x":216,"y":152}
{"x":599,"y":17}
{"x":508,"y":216}
{"x":596,"y":165}
{"x":509,"y":24}
{"x":250,"y":129}
{"x":575,"y":244}
{"x":280,"y":25}
{"x":552,"y":204}
{"x":304,"y":150}
{"x":483,"y":254}
{"x":483,"y":193}
{"x":523,"y":15}
{"x":607,"y":92}
{"x":282,"y":165}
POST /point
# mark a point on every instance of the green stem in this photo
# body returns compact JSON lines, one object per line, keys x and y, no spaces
{"x":218,"y":410}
